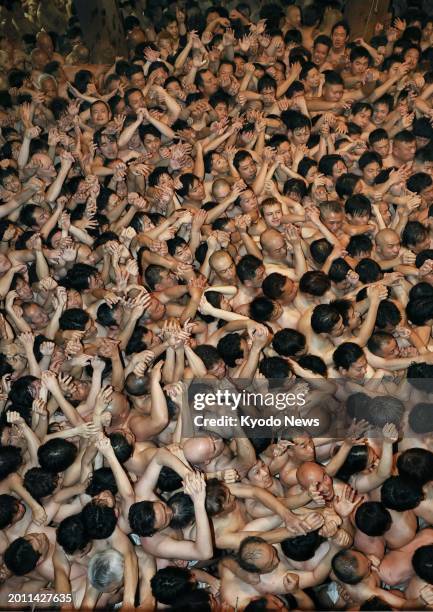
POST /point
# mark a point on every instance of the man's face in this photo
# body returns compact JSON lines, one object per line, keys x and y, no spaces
{"x":151,"y":143}
{"x":333,"y":93}
{"x":357,"y":370}
{"x":339,"y":37}
{"x":362,"y":119}
{"x":156,"y":310}
{"x":136,"y":101}
{"x":173,"y":29}
{"x":380,"y":113}
{"x":196,"y":192}
{"x":265,"y":558}
{"x":293,"y":14}
{"x":221,"y":111}
{"x":183,"y":254}
{"x":338,"y":169}
{"x":370,"y":172}
{"x":381,"y":147}
{"x":276,"y":247}
{"x":12,"y":183}
{"x":225,"y":268}
{"x":163,"y":515}
{"x":301,"y":135}
{"x":225,"y":71}
{"x":390,"y":350}
{"x":240,"y":67}
{"x":427,"y":195}
{"x":219,"y":163}
{"x":268,"y":96}
{"x":248,"y":200}
{"x":338,"y":329}
{"x":218,"y":369}
{"x":320,"y":53}
{"x":388,"y":247}
{"x":359,"y":66}
{"x":411,"y":57}
{"x":333,"y":221}
{"x":260,"y":476}
{"x":248,"y":169}
{"x":210,"y":83}
{"x":303,"y":448}
{"x":404,"y":151}
{"x":36,"y":316}
{"x":100,"y":114}
{"x":313,"y":78}
{"x":272,"y":215}
{"x":108,"y":146}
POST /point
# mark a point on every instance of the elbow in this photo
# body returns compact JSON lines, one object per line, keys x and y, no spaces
{"x":204,"y":553}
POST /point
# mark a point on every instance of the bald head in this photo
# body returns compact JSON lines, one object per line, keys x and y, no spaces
{"x":199,"y":450}
{"x":310,"y":473}
{"x":269,"y":238}
{"x":220,"y":189}
{"x":387,"y":243}
{"x":222,"y":263}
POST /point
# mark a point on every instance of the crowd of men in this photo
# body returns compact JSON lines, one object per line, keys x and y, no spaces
{"x":243,"y":198}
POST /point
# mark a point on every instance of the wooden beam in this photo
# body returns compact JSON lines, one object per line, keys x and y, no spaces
{"x":362,"y":16}
{"x":102,"y":28}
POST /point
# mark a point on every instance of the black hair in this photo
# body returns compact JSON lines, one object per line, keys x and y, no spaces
{"x":57,"y":455}
{"x":122,"y":448}
{"x":320,"y":250}
{"x":422,"y":563}
{"x":400,"y":494}
{"x":372,"y":518}
{"x":356,"y":461}
{"x":387,"y":314}
{"x":170,"y":583}
{"x":168,"y":480}
{"x":315,"y":283}
{"x":78,"y":277}
{"x":99,"y":520}
{"x":368,"y":271}
{"x":183,"y":510}
{"x":346,"y":354}
{"x":20,"y":557}
{"x":10,"y":460}
{"x":247,"y":266}
{"x":359,"y":244}
{"x":345,"y":566}
{"x":375,"y":604}
{"x":8,"y":508}
{"x":274,"y":368}
{"x":229,"y":348}
{"x":72,"y":535}
{"x":313,"y":363}
{"x":416,"y":465}
{"x":324,"y":318}
{"x":303,"y":547}
{"x":142,"y":518}
{"x":288,"y":342}
{"x":102,"y":479}
{"x":261,"y":309}
{"x":40,"y":483}
{"x":386,"y":409}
